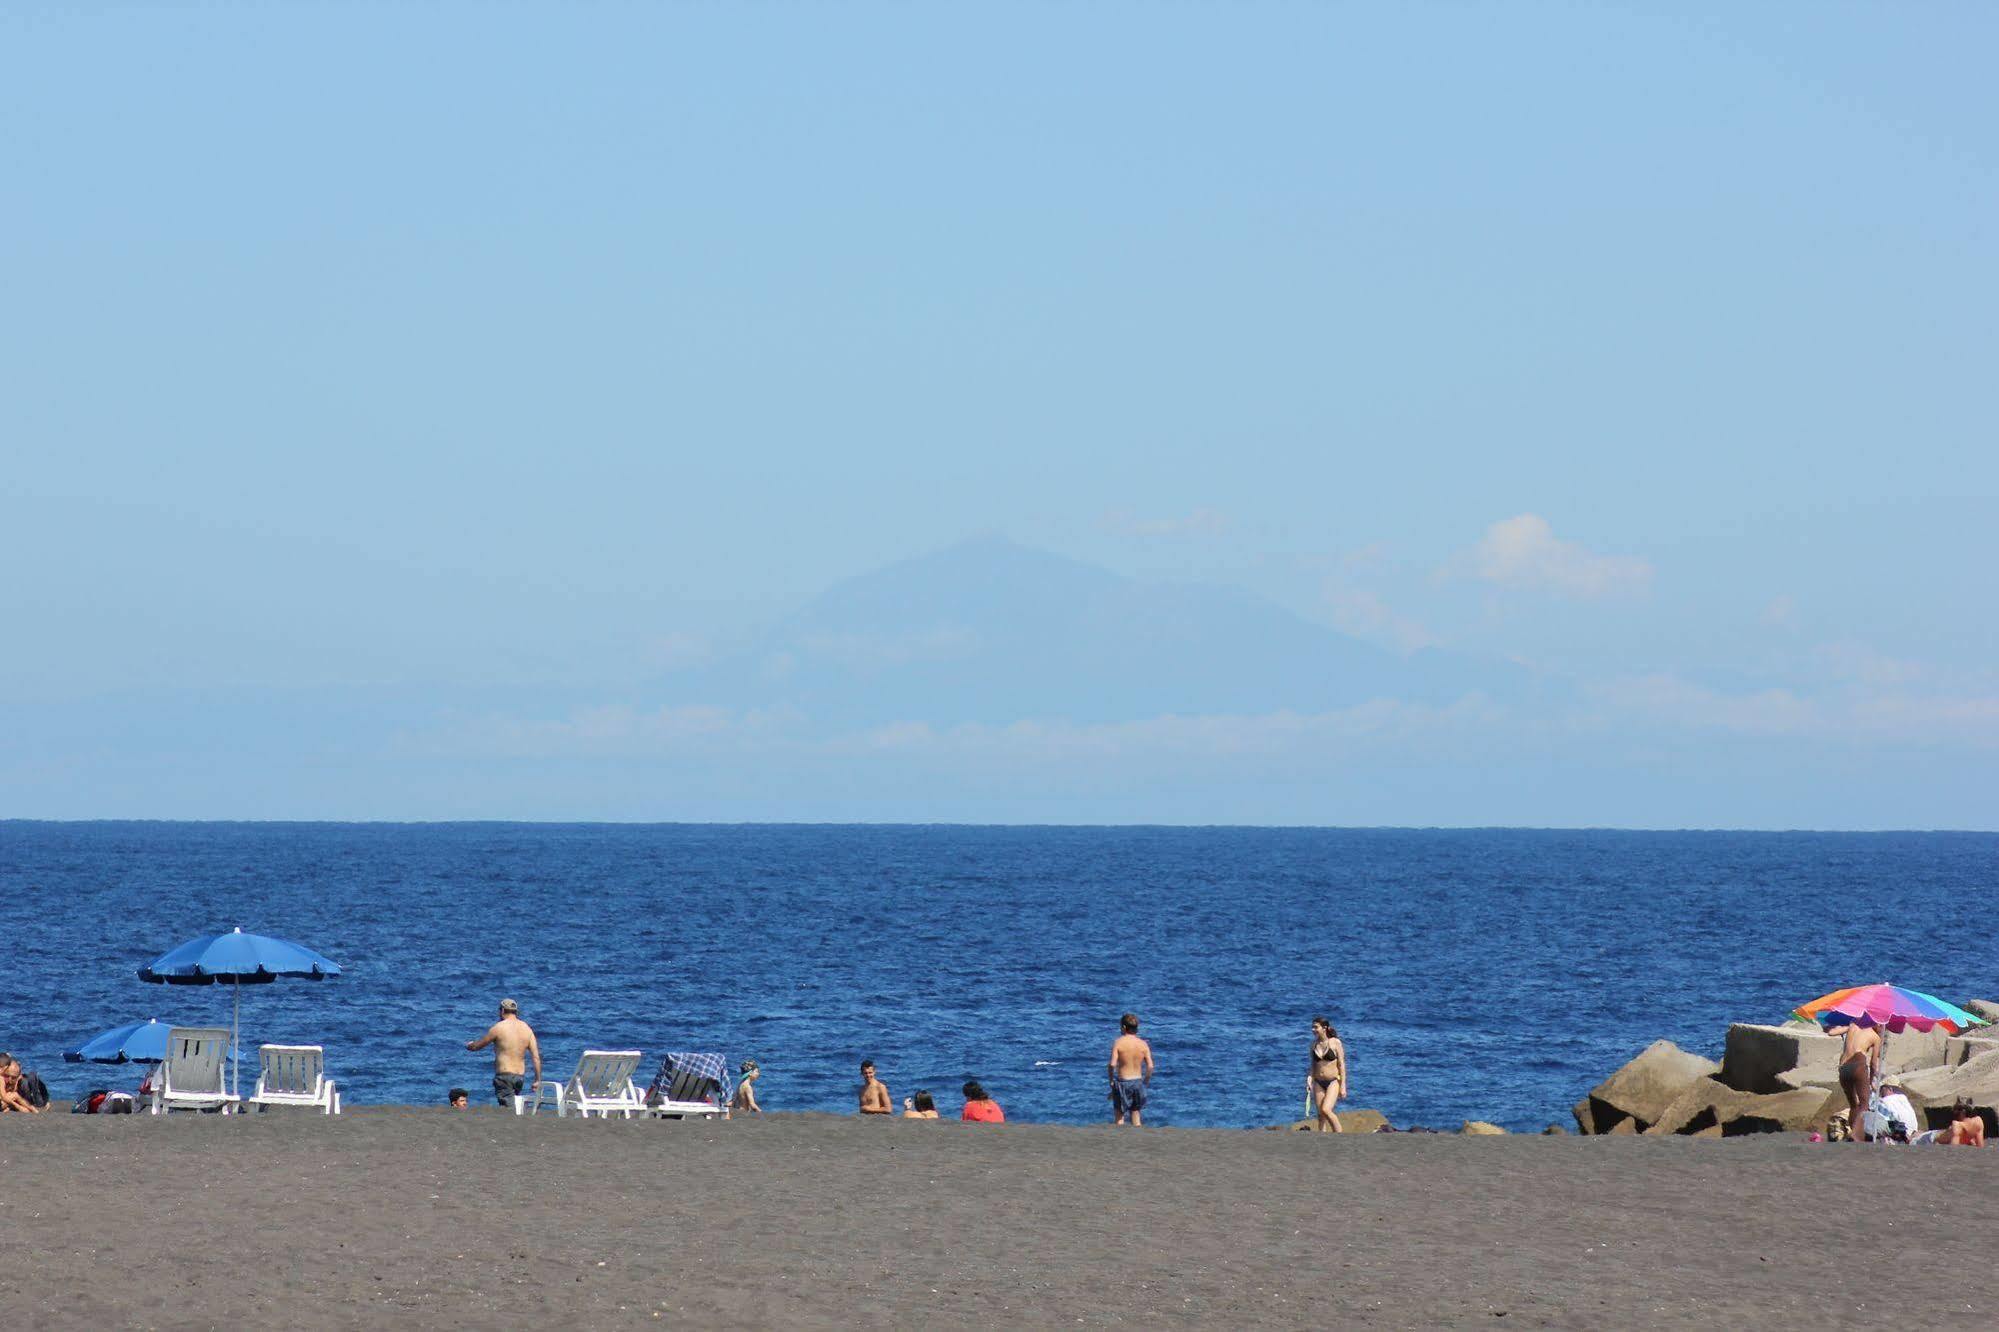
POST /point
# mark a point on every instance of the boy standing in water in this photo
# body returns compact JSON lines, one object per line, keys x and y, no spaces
{"x":1131,"y":1071}
{"x":874,"y":1092}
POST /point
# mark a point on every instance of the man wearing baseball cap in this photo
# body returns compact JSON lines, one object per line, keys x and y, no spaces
{"x":513,"y":1045}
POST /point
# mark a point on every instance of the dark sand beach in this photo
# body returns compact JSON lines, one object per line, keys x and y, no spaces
{"x":429,"y":1218}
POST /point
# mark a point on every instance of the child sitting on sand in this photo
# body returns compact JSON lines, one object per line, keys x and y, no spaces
{"x":745,"y":1099}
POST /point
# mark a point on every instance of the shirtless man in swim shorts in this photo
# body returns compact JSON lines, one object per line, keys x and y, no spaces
{"x":874,"y":1092}
{"x":1858,"y":1053}
{"x":1131,"y":1071}
{"x":513,"y":1045}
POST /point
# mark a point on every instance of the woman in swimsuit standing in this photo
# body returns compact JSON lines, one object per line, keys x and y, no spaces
{"x":1328,"y":1080}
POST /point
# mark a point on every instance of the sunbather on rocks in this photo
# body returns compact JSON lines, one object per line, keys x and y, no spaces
{"x":1967,"y":1126}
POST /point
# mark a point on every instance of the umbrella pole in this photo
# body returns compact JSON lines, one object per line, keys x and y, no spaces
{"x":235,"y":1043}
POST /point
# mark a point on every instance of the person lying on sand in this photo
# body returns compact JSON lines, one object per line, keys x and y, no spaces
{"x":920,"y":1106}
{"x":745,"y":1099}
{"x":981,"y":1108}
{"x":1131,"y":1072}
{"x":513,"y":1044}
{"x":874,"y":1092}
{"x":13,"y":1096}
{"x":1859,"y":1050}
{"x":1966,"y":1128}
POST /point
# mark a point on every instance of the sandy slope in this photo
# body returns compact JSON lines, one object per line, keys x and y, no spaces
{"x":423,"y":1217}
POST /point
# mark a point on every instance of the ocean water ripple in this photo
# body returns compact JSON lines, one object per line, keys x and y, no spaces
{"x":1475,"y":974}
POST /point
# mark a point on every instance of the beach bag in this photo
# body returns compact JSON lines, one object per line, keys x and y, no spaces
{"x":34,"y":1091}
{"x":92,"y":1102}
{"x":119,"y":1103}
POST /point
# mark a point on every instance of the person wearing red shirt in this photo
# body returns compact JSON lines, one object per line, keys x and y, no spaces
{"x":981,"y":1108}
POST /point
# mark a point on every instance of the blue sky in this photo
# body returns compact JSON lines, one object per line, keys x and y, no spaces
{"x":384,"y":363}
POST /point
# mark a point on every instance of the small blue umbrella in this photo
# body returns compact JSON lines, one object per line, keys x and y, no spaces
{"x":134,"y":1043}
{"x":237,"y":959}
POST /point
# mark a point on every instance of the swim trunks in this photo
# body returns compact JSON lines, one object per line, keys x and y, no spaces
{"x":507,"y":1086}
{"x":1128,"y":1094}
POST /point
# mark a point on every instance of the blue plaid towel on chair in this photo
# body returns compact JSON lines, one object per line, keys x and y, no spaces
{"x":692,"y":1077}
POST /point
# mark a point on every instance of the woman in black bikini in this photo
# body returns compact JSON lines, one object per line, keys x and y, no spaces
{"x":1328,"y":1079}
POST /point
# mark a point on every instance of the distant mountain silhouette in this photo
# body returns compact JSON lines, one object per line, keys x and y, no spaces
{"x":992,"y":631}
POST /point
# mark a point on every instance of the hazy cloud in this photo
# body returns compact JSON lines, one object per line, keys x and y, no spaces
{"x":1364,"y":615}
{"x":1682,"y":704}
{"x":1861,"y":713}
{"x":1524,"y":552}
{"x":614,"y":731}
{"x":1850,"y":659}
{"x":1221,"y":736}
{"x":1201,"y":522}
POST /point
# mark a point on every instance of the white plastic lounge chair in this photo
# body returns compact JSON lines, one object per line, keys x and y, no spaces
{"x":602,"y":1085}
{"x":689,"y":1086}
{"x":294,"y":1075}
{"x":193,"y":1074}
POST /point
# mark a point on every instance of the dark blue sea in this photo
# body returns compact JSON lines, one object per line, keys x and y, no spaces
{"x":1474,"y":974}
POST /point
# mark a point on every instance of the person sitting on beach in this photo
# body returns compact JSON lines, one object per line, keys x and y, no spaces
{"x":1131,"y":1072}
{"x":459,"y":1098}
{"x":1966,"y":1128}
{"x":745,"y":1099}
{"x":1327,"y":1081}
{"x":513,"y":1045}
{"x":14,"y":1087}
{"x":1860,"y":1048}
{"x":920,"y":1106}
{"x":981,"y":1108}
{"x":1897,"y":1118}
{"x":874,"y":1092}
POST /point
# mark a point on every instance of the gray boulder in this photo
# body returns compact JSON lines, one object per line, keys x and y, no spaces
{"x":1712,"y":1108}
{"x":1983,"y":1008}
{"x":1961,"y":1049}
{"x":1352,"y":1120}
{"x":1355,"y":1120}
{"x":1936,"y":1089}
{"x":1643,"y":1089}
{"x":1479,"y":1128}
{"x":1768,"y":1060}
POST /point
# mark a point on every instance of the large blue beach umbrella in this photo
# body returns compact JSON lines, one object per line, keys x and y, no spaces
{"x":237,"y":959}
{"x":134,"y":1043}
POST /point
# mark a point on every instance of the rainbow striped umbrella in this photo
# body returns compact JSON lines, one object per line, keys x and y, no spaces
{"x":1887,"y":1006}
